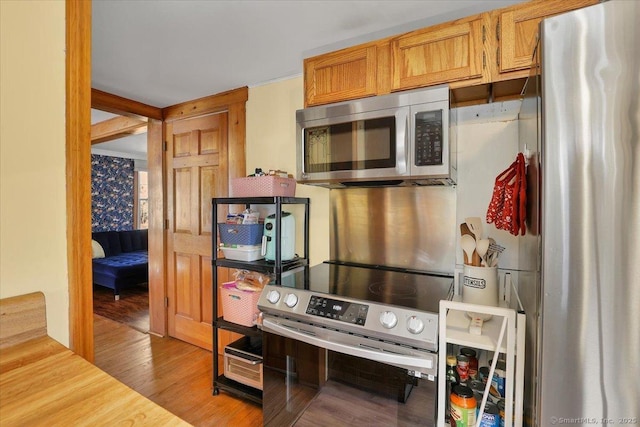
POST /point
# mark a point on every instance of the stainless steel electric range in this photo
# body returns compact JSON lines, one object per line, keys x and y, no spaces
{"x":352,"y":335}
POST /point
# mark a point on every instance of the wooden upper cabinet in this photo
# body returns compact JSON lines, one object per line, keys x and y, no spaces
{"x":440,"y":54}
{"x":516,"y":33}
{"x":482,"y":57}
{"x":338,"y":76}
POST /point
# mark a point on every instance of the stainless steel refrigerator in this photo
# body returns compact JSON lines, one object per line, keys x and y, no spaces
{"x":588,"y":332}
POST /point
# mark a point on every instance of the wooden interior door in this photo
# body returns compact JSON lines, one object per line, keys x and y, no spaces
{"x":196,"y":171}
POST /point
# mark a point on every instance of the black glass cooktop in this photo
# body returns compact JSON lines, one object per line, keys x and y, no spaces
{"x":384,"y":285}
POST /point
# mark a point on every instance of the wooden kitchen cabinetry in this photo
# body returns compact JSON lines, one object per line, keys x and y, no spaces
{"x":351,"y":73}
{"x":515,"y":33}
{"x":483,"y":57}
{"x":443,"y":53}
{"x":223,"y":327}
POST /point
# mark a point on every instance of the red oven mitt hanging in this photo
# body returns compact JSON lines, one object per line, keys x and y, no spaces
{"x":508,"y":202}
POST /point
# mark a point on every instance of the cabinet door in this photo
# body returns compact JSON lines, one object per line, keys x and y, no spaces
{"x":517,"y":30}
{"x":443,"y":53}
{"x":342,"y":75}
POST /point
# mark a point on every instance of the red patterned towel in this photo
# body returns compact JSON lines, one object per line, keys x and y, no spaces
{"x":507,"y":209}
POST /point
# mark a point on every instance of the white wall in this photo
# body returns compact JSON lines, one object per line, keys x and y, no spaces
{"x":487,"y":145}
{"x":271,"y":144}
{"x":33,"y":249}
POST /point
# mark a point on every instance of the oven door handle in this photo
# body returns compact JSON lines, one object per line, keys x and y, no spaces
{"x":420,"y":364}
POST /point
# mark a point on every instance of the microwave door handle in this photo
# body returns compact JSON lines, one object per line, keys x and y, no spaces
{"x":407,"y":144}
{"x":402,"y":167}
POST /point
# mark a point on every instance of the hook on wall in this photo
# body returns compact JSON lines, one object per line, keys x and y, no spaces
{"x":527,"y":155}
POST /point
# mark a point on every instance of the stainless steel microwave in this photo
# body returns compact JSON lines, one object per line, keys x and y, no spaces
{"x":400,"y":138}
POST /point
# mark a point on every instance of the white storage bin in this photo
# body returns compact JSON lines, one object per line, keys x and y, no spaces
{"x":243,"y":252}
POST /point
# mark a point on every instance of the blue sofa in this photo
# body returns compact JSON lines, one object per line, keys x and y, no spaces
{"x":125,"y":262}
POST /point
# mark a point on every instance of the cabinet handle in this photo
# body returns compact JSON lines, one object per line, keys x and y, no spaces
{"x":484,"y":34}
{"x":498,"y":56}
{"x":484,"y":61}
{"x":498,"y":31}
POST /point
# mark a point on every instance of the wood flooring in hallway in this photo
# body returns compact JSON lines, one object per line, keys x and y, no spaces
{"x":170,"y":372}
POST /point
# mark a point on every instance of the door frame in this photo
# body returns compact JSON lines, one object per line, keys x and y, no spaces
{"x":78,"y":101}
{"x":78,"y":175}
{"x":155,"y":165}
{"x":232,"y":102}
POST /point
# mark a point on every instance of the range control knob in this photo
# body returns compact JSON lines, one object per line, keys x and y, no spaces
{"x":291,"y":300}
{"x":273,"y":296}
{"x":415,"y":325}
{"x":388,"y":319}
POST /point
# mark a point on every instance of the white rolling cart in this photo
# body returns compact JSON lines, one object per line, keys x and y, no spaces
{"x":503,"y":334}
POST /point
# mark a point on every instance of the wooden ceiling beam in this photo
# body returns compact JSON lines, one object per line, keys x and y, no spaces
{"x":115,"y":128}
{"x":122,"y":106}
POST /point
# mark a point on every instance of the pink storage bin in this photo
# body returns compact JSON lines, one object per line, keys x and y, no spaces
{"x":263,"y":186}
{"x":238,"y":306}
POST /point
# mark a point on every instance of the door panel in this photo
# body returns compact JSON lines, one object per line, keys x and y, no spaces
{"x":207,"y":185}
{"x":439,"y":54}
{"x":209,"y":142}
{"x":181,"y":145}
{"x":182,"y":197}
{"x":183,"y":284}
{"x":207,"y":297}
{"x":518,"y":30}
{"x":346,"y":74}
{"x":196,"y":153}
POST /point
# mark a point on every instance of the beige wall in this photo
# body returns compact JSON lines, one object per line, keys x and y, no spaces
{"x":271,"y":144}
{"x":33,"y":246}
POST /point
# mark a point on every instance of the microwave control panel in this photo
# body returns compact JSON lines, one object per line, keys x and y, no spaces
{"x":428,"y":138}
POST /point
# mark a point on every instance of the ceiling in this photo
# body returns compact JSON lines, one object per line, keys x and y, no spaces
{"x":166,"y":52}
{"x":130,"y":147}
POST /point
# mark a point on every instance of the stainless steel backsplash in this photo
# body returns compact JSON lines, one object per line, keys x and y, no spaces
{"x":408,"y":227}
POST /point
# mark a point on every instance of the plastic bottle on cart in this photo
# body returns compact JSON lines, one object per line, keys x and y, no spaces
{"x":491,"y":415}
{"x":452,"y":379}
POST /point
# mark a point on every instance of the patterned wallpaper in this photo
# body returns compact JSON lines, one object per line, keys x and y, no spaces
{"x":111,"y":193}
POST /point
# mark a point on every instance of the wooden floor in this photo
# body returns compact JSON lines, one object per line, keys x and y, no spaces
{"x":170,"y":372}
{"x":132,"y":308}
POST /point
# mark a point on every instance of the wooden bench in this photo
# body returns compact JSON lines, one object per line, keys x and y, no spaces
{"x":44,"y":383}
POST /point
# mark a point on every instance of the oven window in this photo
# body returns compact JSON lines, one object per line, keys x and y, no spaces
{"x":357,"y":145}
{"x":307,"y":386}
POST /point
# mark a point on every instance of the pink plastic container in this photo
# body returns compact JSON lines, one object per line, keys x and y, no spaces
{"x":263,"y":186}
{"x":238,"y":306}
